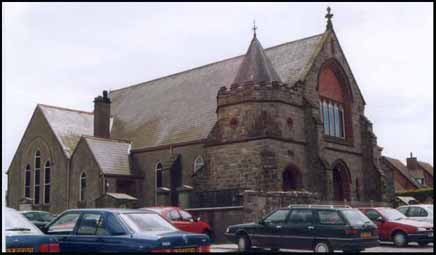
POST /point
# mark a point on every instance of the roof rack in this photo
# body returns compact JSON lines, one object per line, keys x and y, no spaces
{"x":317,"y":206}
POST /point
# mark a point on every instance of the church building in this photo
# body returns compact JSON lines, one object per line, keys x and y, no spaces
{"x":289,"y":117}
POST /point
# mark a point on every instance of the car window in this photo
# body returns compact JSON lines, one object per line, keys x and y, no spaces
{"x":174,"y":215}
{"x":330,"y":217}
{"x":114,"y":226}
{"x":416,"y":212}
{"x":277,"y":216}
{"x":185,"y":215}
{"x":403,"y":210}
{"x":92,"y":224}
{"x":372,"y":215}
{"x":146,"y":222}
{"x":355,"y":217}
{"x":30,"y":216}
{"x":65,"y":224}
{"x":301,"y":216}
{"x":46,"y":216}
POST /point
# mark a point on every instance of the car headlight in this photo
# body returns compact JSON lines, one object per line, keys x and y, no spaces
{"x":228,"y":230}
{"x":421,"y":229}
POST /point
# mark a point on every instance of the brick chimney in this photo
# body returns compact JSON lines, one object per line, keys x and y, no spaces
{"x":102,"y":113}
{"x":412,"y":162}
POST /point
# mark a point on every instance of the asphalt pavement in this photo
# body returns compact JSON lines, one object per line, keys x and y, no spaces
{"x":384,"y":247}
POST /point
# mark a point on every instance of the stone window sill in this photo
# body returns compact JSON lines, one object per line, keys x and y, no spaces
{"x":338,"y":140}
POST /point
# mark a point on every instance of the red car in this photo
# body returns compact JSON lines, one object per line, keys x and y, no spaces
{"x":395,"y":226}
{"x":183,"y":220}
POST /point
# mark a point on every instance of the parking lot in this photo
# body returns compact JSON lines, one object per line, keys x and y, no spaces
{"x":384,"y":247}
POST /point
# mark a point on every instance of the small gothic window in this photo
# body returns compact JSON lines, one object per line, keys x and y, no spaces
{"x":198,"y":163}
{"x":37,"y":175}
{"x":27,"y":174}
{"x":47,"y":177}
{"x":82,"y":186}
{"x":158,"y":170}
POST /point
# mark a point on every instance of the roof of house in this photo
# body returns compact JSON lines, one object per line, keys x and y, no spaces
{"x":397,"y":164}
{"x":112,"y":156}
{"x":182,"y":107}
{"x":426,"y":166}
{"x":68,"y":125}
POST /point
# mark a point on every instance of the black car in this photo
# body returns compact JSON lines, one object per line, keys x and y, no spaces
{"x":318,"y":228}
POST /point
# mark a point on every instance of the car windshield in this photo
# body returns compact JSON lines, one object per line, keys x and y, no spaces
{"x":356,"y":217}
{"x":146,"y":222}
{"x":16,"y":222}
{"x":46,"y":216}
{"x":391,"y":214}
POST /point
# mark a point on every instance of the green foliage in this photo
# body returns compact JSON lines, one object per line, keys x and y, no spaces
{"x":419,"y":194}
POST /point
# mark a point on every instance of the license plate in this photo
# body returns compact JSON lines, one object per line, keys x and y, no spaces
{"x":19,"y":250}
{"x":365,"y":234}
{"x":190,"y":249}
{"x":430,"y":234}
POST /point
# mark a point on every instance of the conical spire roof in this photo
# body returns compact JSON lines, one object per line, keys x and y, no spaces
{"x":256,"y":67}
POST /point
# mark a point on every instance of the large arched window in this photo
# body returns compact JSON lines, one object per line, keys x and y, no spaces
{"x":37,"y":180}
{"x":335,"y":100}
{"x":27,"y":176}
{"x":47,"y":177}
{"x":198,"y":163}
{"x":158,"y":169}
{"x":82,"y":186}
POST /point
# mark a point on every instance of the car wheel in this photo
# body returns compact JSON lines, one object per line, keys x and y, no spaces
{"x":400,"y":239}
{"x":423,"y":243}
{"x":322,"y":246}
{"x":244,"y":243}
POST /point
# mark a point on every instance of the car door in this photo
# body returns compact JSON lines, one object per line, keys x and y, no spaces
{"x":63,"y":228}
{"x":269,"y":234}
{"x":329,"y":223}
{"x":298,"y":231}
{"x":383,"y":227}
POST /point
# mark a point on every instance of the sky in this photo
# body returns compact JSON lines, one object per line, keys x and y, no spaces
{"x":65,"y":54}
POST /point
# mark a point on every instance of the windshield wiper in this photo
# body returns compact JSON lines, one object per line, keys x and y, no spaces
{"x":18,"y":229}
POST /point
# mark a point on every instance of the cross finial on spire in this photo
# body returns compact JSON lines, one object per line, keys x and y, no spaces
{"x":254,"y":28}
{"x":329,"y":17}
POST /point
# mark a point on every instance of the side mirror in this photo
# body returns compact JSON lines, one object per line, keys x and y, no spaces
{"x":380,"y":219}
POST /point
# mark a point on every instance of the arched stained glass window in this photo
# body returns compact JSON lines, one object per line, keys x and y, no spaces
{"x":47,"y":179}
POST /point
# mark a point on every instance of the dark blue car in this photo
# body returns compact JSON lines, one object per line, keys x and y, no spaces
{"x":23,"y":236}
{"x":121,"y":230}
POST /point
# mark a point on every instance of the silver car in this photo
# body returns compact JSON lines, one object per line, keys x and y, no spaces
{"x":421,"y":212}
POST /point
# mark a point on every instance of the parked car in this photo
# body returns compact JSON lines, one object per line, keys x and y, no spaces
{"x":121,"y":230}
{"x":39,"y":218}
{"x":421,"y":212}
{"x":23,"y":236}
{"x":183,"y":220}
{"x":395,"y":226}
{"x":319,"y":228}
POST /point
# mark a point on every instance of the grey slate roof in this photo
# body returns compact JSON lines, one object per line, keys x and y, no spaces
{"x":68,"y":125}
{"x":112,"y":156}
{"x":256,"y":67}
{"x":181,"y":107}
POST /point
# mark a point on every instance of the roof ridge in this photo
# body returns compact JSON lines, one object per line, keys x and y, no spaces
{"x":214,"y":63}
{"x":65,"y":109}
{"x":106,"y":139}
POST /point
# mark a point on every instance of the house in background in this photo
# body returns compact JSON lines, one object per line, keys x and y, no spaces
{"x":414,"y":175}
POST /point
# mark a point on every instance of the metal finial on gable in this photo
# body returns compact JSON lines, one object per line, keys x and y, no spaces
{"x":329,"y":17}
{"x":254,"y":28}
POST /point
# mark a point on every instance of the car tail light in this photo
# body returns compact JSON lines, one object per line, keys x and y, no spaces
{"x":49,"y":247}
{"x":204,"y":248}
{"x":351,"y":231}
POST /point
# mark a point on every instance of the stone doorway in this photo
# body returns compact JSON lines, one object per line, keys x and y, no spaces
{"x":292,"y":179}
{"x":341,"y":182}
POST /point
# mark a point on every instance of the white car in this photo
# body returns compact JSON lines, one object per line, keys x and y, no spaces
{"x":421,"y":212}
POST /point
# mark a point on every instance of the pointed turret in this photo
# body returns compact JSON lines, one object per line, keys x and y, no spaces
{"x":256,"y":66}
